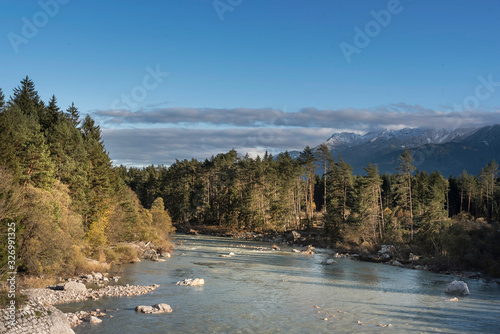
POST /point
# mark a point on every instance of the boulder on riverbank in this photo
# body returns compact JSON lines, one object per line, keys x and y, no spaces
{"x":33,"y":317}
{"x":191,"y":282}
{"x":157,"y":308}
{"x":293,"y":236}
{"x":458,"y":288}
{"x":74,"y":286}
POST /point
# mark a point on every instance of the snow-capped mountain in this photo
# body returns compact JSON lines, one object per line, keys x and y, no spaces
{"x":447,"y":150}
{"x":405,"y":138}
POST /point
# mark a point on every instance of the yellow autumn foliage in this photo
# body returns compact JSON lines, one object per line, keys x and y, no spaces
{"x":97,"y":233}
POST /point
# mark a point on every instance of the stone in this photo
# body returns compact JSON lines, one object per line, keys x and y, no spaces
{"x":60,"y":323}
{"x":329,"y":262}
{"x":95,"y":320}
{"x":150,"y":254}
{"x":396,"y":263}
{"x":163,"y":308}
{"x":386,"y":249}
{"x":74,"y":286}
{"x":157,"y":308}
{"x":295,"y":251}
{"x":166,"y":254}
{"x":276,"y":247}
{"x":98,"y":276}
{"x":191,"y":282}
{"x":413,"y":257}
{"x":192,"y":232}
{"x":459,"y":288}
{"x":295,"y":236}
{"x":144,"y":309}
{"x":308,"y":250}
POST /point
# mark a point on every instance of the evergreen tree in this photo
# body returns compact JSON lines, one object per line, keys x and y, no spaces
{"x":370,"y":201}
{"x":327,"y":159}
{"x":404,"y":185}
{"x":307,"y":160}
{"x":50,"y":115}
{"x":73,"y":115}
{"x":24,"y":149}
{"x":2,"y":100}
{"x":340,"y":196}
{"x":27,"y":99}
{"x":101,"y":178}
{"x":434,"y":218}
{"x":488,"y":177}
{"x":467,"y":188}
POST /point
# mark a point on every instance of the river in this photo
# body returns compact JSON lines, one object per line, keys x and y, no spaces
{"x":265,"y":291}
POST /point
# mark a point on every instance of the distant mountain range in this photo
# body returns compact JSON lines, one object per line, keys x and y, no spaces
{"x":445,"y":150}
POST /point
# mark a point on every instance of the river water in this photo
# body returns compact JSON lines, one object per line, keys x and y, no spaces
{"x":265,"y":291}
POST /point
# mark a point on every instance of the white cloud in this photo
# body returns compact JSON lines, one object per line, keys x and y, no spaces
{"x":390,"y":116}
{"x":160,"y":136}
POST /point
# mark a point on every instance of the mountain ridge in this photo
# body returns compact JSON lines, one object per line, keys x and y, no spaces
{"x":449,"y":151}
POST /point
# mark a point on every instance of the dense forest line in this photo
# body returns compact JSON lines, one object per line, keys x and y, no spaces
{"x":452,"y":220}
{"x":59,"y":188}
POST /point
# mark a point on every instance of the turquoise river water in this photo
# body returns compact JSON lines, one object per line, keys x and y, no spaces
{"x":264,"y":291}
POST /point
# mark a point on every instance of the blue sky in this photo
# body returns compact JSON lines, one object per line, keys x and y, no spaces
{"x":254,"y":75}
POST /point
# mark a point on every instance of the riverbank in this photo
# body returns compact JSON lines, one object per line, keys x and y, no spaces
{"x":37,"y":312}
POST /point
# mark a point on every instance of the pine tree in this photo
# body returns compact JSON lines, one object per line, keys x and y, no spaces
{"x":488,"y":176}
{"x":307,"y":160}
{"x":24,"y":149}
{"x":434,"y":216}
{"x":73,"y":115}
{"x":27,"y":98}
{"x":327,"y":159}
{"x":340,"y":195}
{"x":370,"y":201}
{"x":404,"y":188}
{"x":101,"y":178}
{"x":467,"y":188}
{"x":2,"y":100}
{"x":50,"y":115}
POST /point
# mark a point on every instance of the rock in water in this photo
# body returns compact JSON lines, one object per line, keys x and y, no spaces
{"x":396,"y":263}
{"x":157,"y":308}
{"x":329,"y":262}
{"x":457,"y":288}
{"x":144,"y":309}
{"x":163,"y":308}
{"x":95,"y":320}
{"x":191,"y":282}
{"x":308,"y":250}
